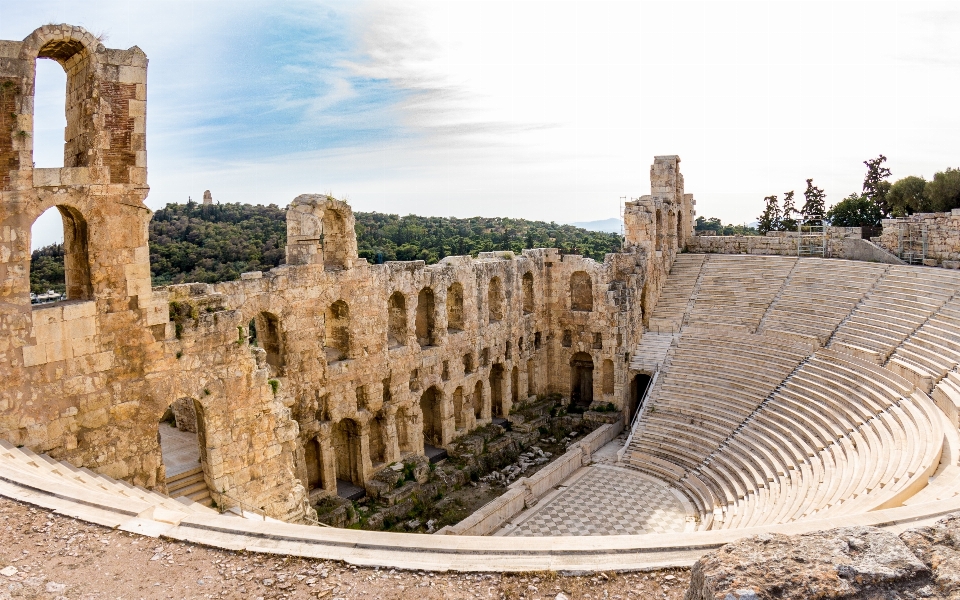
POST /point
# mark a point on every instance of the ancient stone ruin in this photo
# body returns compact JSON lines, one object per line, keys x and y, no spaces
{"x":327,"y":367}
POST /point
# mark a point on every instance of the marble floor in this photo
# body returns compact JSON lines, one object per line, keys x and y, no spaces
{"x":603,"y":499}
{"x":181,"y":450}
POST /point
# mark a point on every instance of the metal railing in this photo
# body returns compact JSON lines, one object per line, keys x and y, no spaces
{"x":638,"y":417}
{"x":258,"y":511}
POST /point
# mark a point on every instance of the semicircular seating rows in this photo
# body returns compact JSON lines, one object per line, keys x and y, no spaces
{"x":804,"y":388}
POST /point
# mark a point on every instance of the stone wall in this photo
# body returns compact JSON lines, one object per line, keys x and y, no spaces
{"x":942,"y":236}
{"x":841,"y":242}
{"x":325,"y":368}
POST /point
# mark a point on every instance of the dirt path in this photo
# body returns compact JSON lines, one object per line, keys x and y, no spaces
{"x":57,"y":557}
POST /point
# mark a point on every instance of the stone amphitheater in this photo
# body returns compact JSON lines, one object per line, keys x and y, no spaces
{"x":766,"y":392}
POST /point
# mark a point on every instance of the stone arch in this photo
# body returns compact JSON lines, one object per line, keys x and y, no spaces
{"x":336,"y":343}
{"x":581,"y":381}
{"x":397,"y":320}
{"x":76,"y":254}
{"x":459,"y":410}
{"x":321,"y":230}
{"x":431,"y":405}
{"x":658,"y":232}
{"x":496,"y":390}
{"x":495,"y":300}
{"x":426,"y":318}
{"x":455,"y":307}
{"x":346,"y":449}
{"x":581,"y":291}
{"x":515,"y":384}
{"x":269,"y":336}
{"x":76,"y":51}
{"x":606,"y":376}
{"x":527,"y":284}
{"x":477,"y":400}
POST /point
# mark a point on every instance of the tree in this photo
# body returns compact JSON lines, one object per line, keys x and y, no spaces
{"x":856,"y":210}
{"x":814,"y":200}
{"x":875,"y":184}
{"x":769,"y":219}
{"x":906,"y":197}
{"x":943,"y":191}
{"x":787,"y":222}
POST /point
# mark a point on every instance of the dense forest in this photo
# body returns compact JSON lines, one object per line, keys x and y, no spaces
{"x":191,"y":242}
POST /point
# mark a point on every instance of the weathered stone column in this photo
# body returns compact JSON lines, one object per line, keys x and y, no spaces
{"x":448,"y":423}
{"x":328,"y":461}
{"x":391,"y":450}
{"x":364,"y":465}
{"x":485,"y":412}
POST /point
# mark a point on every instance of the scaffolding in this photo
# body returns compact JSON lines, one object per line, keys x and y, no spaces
{"x":912,"y":248}
{"x":811,"y":236}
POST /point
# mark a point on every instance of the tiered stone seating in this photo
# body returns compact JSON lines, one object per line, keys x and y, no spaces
{"x":44,"y":473}
{"x":735,"y":291}
{"x":712,"y":382}
{"x":902,"y":301}
{"x":675,"y":296}
{"x":888,"y":442}
{"x":652,"y":351}
{"x":819,"y":294}
{"x":931,"y":351}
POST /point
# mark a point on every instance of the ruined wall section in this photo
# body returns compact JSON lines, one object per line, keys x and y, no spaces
{"x":941,"y":230}
{"x":659,"y":225}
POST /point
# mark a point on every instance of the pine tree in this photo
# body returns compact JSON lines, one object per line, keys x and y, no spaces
{"x":769,"y":220}
{"x":875,"y":184}
{"x":814,"y":200}
{"x":787,"y":222}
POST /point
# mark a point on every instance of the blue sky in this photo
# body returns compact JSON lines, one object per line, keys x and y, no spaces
{"x":549,"y":110}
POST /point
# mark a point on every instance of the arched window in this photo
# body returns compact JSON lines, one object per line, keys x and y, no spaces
{"x":606,"y":376}
{"x":270,"y":337}
{"x":337,"y":342}
{"x":495,"y":300}
{"x":581,"y":291}
{"x":49,"y":116}
{"x":527,"y":293}
{"x":455,"y":307}
{"x":426,"y":318}
{"x":60,"y":261}
{"x":397,"y":320}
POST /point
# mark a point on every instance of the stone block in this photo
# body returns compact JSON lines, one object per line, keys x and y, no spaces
{"x":34,"y":355}
{"x":78,"y":310}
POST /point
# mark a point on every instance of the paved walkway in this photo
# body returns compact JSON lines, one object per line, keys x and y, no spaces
{"x":181,"y":450}
{"x":603,"y":499}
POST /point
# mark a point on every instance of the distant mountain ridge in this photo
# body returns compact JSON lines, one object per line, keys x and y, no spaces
{"x":611,"y":225}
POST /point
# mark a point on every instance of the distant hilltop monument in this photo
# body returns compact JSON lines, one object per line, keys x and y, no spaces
{"x":207,"y":198}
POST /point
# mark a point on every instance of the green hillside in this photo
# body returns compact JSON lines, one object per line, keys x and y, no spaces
{"x":191,"y":242}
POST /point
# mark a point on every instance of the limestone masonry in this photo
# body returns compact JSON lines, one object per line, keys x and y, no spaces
{"x":354,"y":365}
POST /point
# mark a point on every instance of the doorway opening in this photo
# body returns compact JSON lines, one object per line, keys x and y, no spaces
{"x":581,"y":382}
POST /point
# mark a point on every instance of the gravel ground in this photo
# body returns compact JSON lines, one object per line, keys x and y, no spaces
{"x":43,"y":555}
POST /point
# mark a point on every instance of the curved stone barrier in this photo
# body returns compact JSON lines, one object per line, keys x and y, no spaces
{"x":53,"y":486}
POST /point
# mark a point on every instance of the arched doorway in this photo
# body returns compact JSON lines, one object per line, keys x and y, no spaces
{"x":430,"y":405}
{"x":346,"y":449}
{"x":581,"y":381}
{"x":638,"y":388}
{"x":478,"y":400}
{"x":496,"y":390}
{"x":183,"y":445}
{"x":60,"y":262}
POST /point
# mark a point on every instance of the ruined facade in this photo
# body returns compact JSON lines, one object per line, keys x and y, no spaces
{"x":325,"y":368}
